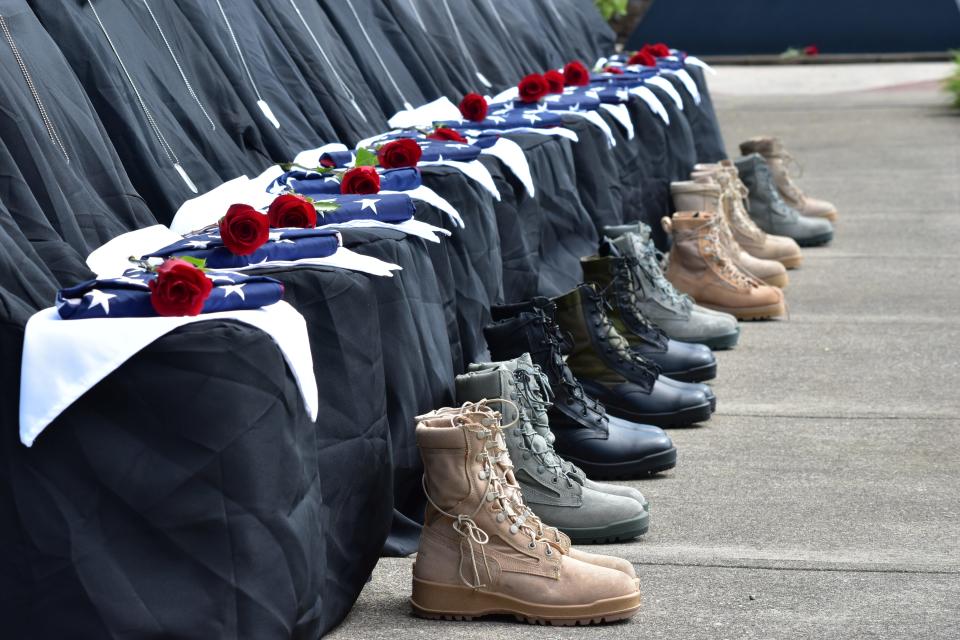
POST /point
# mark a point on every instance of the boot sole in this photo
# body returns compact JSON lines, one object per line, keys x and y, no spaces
{"x":640,"y":468}
{"x":753,"y":313}
{"x":683,"y":418}
{"x":779,"y":281}
{"x":614,"y":532}
{"x":791,"y":262}
{"x":437,"y":601}
{"x":719,"y":343}
{"x":696,"y":374}
{"x":815,"y":241}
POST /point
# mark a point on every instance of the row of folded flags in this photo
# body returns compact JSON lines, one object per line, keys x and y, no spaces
{"x":200,"y":272}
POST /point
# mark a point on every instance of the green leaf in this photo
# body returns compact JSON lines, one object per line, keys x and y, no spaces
{"x":199,"y":263}
{"x":324,"y":206}
{"x":365,"y":158}
{"x":287,"y":166}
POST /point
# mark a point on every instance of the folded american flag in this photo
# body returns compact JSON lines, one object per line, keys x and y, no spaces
{"x":509,"y":118}
{"x":283,"y":245}
{"x":129,"y":295}
{"x":311,"y":183}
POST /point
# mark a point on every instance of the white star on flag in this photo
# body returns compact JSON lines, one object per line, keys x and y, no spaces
{"x":532,"y":117}
{"x":497,"y":119}
{"x":198,"y":244}
{"x":370,"y":203}
{"x":100,"y":299}
{"x":234,"y":289}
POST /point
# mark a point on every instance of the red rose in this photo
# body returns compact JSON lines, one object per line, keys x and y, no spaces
{"x":614,"y":70}
{"x":555,"y":81}
{"x":400,"y":153}
{"x":811,"y":50}
{"x":446,"y":134}
{"x":658,"y":50}
{"x":244,"y":229}
{"x":533,"y":88}
{"x":289,"y":210}
{"x":474,"y":107}
{"x":644,"y":58}
{"x":180,"y":289}
{"x":576,"y":75}
{"x":360,"y":181}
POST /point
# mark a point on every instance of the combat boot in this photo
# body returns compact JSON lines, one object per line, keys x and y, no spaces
{"x":700,"y":267}
{"x":602,"y":445}
{"x":622,"y":380}
{"x":585,"y":515}
{"x":771,"y":213}
{"x":708,"y":196}
{"x":778,"y":159}
{"x":481,"y":554}
{"x":674,"y":312}
{"x":612,"y":276}
{"x":533,"y":392}
{"x":748,"y":235}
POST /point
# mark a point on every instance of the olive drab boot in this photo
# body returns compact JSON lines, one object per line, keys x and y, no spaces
{"x":630,"y":386}
{"x":699,"y":266}
{"x":748,"y":235}
{"x":480,"y":554}
{"x":604,"y":446}
{"x":585,"y":515}
{"x":778,"y":159}
{"x":772,"y":213}
{"x":612,"y":276}
{"x":673,"y":312}
{"x":708,"y":196}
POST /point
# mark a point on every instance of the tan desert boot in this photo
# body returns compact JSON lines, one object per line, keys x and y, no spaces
{"x":509,"y":412}
{"x":748,"y":235}
{"x":480,"y":554}
{"x":777,"y":158}
{"x":700,"y":267}
{"x":707,"y":196}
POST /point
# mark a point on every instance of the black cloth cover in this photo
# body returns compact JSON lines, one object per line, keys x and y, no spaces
{"x":210,"y":154}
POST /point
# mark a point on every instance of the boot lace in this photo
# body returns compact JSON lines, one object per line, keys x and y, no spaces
{"x":507,"y":502}
{"x":622,"y":289}
{"x":780,"y":166}
{"x":615,"y":344}
{"x":648,"y":261}
{"x":732,"y":199}
{"x":713,"y":250}
{"x":575,"y":395}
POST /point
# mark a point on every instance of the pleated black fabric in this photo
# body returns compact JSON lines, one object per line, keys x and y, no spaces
{"x":169,"y":501}
{"x":327,"y":68}
{"x":210,"y":154}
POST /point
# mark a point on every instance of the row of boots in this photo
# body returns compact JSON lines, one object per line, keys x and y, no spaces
{"x":580,"y":389}
{"x":738,"y":227}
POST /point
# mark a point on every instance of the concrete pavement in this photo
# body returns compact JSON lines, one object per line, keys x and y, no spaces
{"x":822,"y":500}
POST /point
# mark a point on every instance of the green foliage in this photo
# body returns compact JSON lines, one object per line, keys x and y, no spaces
{"x":365,"y":158}
{"x":611,"y":8}
{"x":199,"y":263}
{"x":952,"y":84}
{"x":322,"y":206}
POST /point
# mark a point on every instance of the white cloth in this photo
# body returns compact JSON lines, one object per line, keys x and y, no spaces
{"x":688,"y":83}
{"x":697,"y":62}
{"x":426,"y":115}
{"x":668,"y":88}
{"x":513,"y":158}
{"x":209,"y":207}
{"x":113,"y":258}
{"x":473,"y":170}
{"x":594,"y":118}
{"x":621,"y":114}
{"x":63,"y":359}
{"x":648,"y":96}
{"x":412,"y":227}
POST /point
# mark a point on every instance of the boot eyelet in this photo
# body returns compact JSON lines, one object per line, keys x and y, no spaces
{"x":514,"y":529}
{"x":554,"y":480}
{"x":532,"y":545}
{"x":549,"y":551}
{"x":501,"y":517}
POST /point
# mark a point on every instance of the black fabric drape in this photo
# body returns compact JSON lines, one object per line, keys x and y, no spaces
{"x":323,"y":64}
{"x":169,"y":501}
{"x":63,"y":152}
{"x":210,"y":154}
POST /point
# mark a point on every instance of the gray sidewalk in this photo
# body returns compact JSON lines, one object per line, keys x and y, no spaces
{"x":823,"y":500}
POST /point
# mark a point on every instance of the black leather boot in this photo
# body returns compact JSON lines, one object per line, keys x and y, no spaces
{"x":608,"y":369}
{"x":603,"y":446}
